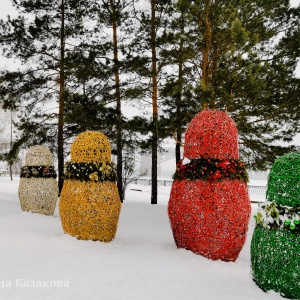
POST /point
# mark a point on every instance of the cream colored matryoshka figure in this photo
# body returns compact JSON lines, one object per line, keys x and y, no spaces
{"x":89,"y":202}
{"x":38,"y":189}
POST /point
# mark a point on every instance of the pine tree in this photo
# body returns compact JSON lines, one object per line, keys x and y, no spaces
{"x":239,"y":67}
{"x":146,"y":61}
{"x":179,"y":105}
{"x":41,"y":39}
{"x":113,"y":14}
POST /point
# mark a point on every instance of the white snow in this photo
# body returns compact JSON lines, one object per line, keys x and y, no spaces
{"x":185,"y":161}
{"x":141,"y":263}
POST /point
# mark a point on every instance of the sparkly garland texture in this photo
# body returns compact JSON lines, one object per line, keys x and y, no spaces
{"x":38,"y":172}
{"x":284,"y":180}
{"x":210,"y":218}
{"x":211,"y":169}
{"x":209,"y":206}
{"x":211,"y":134}
{"x":38,"y":189}
{"x":275,"y":261}
{"x":90,"y":210}
{"x":275,"y":244}
{"x":90,"y":204}
{"x":105,"y":171}
{"x":91,"y":146}
{"x":38,"y":156}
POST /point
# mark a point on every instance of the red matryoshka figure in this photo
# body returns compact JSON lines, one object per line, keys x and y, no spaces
{"x":209,"y":206}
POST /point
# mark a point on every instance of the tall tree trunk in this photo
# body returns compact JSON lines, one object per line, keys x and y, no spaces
{"x":60,"y":141}
{"x":11,"y":143}
{"x":118,"y":100}
{"x":154,"y":107}
{"x":178,"y":145}
{"x":207,"y":37}
{"x":178,"y":112}
{"x":179,"y":96}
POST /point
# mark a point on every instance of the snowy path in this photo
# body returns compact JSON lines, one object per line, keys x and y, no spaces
{"x":141,"y":263}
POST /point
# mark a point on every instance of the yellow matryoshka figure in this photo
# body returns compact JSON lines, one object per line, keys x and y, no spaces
{"x":90,"y":204}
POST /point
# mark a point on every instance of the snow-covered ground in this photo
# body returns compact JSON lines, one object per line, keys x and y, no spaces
{"x":141,"y":263}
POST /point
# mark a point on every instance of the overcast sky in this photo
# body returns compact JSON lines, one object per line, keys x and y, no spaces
{"x":7,"y":9}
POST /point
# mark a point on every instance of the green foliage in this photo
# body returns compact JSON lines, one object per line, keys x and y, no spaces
{"x":250,"y":71}
{"x":236,"y":55}
{"x":83,"y":113}
{"x":271,"y":215}
{"x":45,"y":65}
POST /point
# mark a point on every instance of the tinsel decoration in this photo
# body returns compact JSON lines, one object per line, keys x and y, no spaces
{"x":284,"y":180}
{"x":210,"y":215}
{"x":90,"y":171}
{"x":90,"y":205}
{"x":275,"y":254}
{"x":38,"y":189}
{"x":38,"y":172}
{"x":207,"y":218}
{"x":210,"y":169}
{"x":91,"y":147}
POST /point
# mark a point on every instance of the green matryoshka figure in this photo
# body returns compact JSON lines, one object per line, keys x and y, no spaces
{"x":275,"y":245}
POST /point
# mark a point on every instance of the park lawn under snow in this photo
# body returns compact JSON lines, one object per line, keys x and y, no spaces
{"x":141,"y":263}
